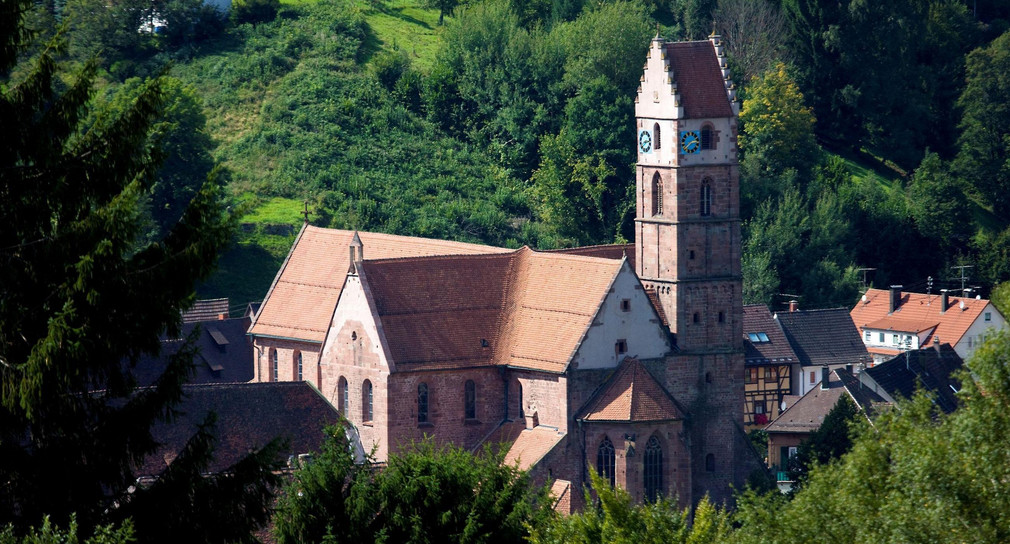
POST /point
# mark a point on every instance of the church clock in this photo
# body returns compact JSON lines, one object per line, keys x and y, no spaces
{"x":645,"y":141}
{"x":690,"y":142}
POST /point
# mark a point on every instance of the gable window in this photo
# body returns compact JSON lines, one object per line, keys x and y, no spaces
{"x":470,"y":400}
{"x":605,"y":460}
{"x":298,"y":363}
{"x":422,"y":403}
{"x":657,"y":194}
{"x":656,"y":141}
{"x":621,"y":347}
{"x":707,"y":139}
{"x":274,"y":366}
{"x":706,"y":198}
{"x":988,"y":317}
{"x":653,"y":470}
{"x":881,"y":339}
{"x":343,"y":402}
{"x":366,"y":401}
{"x":626,"y":305}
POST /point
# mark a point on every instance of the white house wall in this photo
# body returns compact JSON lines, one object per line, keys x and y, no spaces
{"x":978,"y":331}
{"x":639,"y":327}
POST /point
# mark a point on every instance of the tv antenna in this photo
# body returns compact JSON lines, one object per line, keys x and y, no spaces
{"x":864,"y":271}
{"x":964,"y":278}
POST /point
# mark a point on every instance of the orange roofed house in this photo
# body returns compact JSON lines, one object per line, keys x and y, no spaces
{"x":626,"y":360}
{"x":892,"y":322}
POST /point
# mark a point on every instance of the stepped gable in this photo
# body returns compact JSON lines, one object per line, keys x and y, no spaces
{"x":916,"y":312}
{"x":305,"y":291}
{"x":699,"y":79}
{"x":823,"y":337}
{"x":631,"y":395}
{"x":249,"y":415}
{"x":523,"y":309}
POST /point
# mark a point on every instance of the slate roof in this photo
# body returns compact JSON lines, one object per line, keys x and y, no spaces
{"x":699,"y":79}
{"x":206,"y":310}
{"x":532,"y":445}
{"x":823,"y":337}
{"x":928,"y":368}
{"x":918,"y":312}
{"x":225,"y":354}
{"x":758,"y":319}
{"x":305,"y":291}
{"x":806,"y":414}
{"x":249,"y":415}
{"x":531,"y":309}
{"x":631,"y":394}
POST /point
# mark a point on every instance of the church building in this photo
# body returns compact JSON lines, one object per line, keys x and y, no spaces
{"x":624,"y":360}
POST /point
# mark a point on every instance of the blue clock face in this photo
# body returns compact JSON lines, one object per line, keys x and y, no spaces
{"x":690,"y":142}
{"x":645,"y":141}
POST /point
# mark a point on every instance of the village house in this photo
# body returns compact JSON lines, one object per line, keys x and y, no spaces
{"x":821,"y":338}
{"x":625,"y":360}
{"x":770,"y":365}
{"x":891,"y":321}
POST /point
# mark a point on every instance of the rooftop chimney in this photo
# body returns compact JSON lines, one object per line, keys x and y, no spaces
{"x":825,"y":377}
{"x":793,"y":305}
{"x":944,"y":300}
{"x":936,"y":344}
{"x":895,"y":298}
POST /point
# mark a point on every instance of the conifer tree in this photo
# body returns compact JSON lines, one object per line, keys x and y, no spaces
{"x":81,"y":299}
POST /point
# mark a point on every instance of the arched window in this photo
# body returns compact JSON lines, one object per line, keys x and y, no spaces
{"x":519,"y":395}
{"x":710,"y":463}
{"x":343,"y":402}
{"x":298,"y":365}
{"x":470,"y":400}
{"x":706,"y":197}
{"x":422,"y":403}
{"x":655,"y":136}
{"x":707,"y":140}
{"x":366,"y":401}
{"x":653,"y":470}
{"x":274,"y":366}
{"x":657,"y":194}
{"x":605,"y":460}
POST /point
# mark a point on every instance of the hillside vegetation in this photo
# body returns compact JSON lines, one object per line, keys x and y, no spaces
{"x":512,"y":124}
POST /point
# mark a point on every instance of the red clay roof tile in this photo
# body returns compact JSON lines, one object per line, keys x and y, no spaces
{"x":916,"y":313}
{"x":631,"y":394}
{"x":699,"y":79}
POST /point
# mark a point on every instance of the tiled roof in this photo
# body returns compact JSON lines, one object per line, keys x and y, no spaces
{"x":928,"y":368}
{"x":608,"y":251}
{"x":206,"y":310}
{"x":531,"y":309}
{"x":561,"y":490}
{"x":699,"y":79}
{"x":225,"y":354}
{"x":249,"y":415}
{"x":301,"y":301}
{"x":532,"y":445}
{"x":657,"y":305}
{"x":823,"y":337}
{"x":806,"y":414}
{"x":631,"y":394}
{"x":915,"y":311}
{"x":758,"y":319}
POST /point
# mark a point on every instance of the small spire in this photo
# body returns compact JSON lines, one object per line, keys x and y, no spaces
{"x":357,"y":250}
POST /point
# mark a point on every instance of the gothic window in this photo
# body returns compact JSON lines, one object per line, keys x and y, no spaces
{"x":274,"y":366}
{"x":470,"y":400}
{"x":655,"y":136}
{"x":366,"y":401}
{"x":422,"y":403}
{"x":706,"y":197}
{"x":298,"y":363}
{"x":605,"y":460}
{"x":519,"y":395}
{"x":657,"y":194}
{"x":653,"y":470}
{"x":343,"y":403}
{"x":707,"y":140}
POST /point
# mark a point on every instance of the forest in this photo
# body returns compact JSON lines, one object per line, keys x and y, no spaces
{"x":873,"y":134}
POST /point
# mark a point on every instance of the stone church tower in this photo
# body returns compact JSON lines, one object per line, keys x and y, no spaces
{"x":688,"y":244}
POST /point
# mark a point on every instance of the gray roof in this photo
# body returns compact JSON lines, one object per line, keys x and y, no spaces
{"x":929,"y":369}
{"x":225,"y":353}
{"x":823,"y":337}
{"x":807,"y":414}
